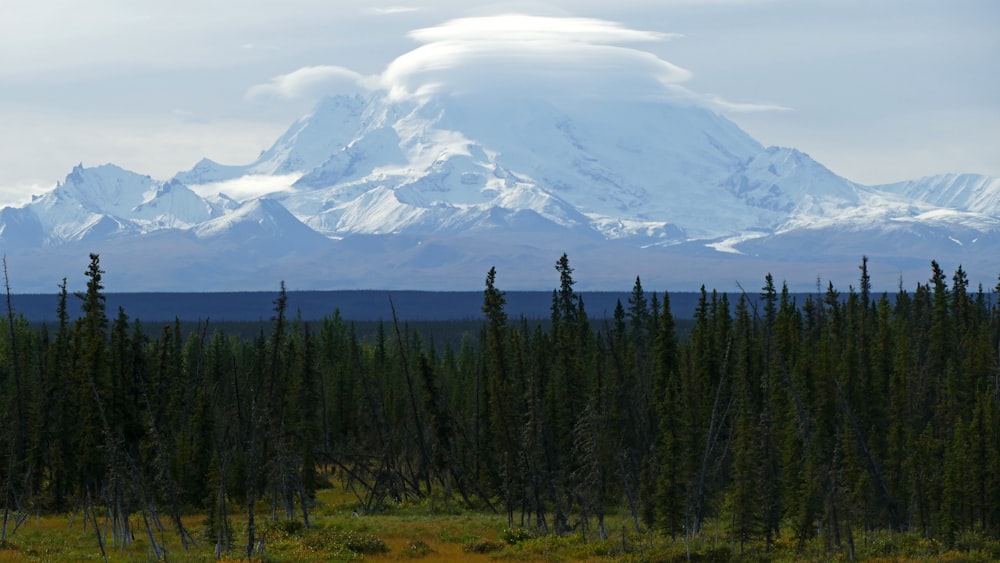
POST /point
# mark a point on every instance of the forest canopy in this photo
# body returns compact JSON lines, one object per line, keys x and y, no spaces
{"x":815,"y":419}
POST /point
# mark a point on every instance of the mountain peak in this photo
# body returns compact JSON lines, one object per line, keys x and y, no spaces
{"x":971,"y":192}
{"x":307,"y":144}
{"x":786,"y":180}
{"x":107,"y":188}
{"x":259,"y":228}
{"x":433,"y":187}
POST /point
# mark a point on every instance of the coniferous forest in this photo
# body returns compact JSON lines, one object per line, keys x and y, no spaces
{"x":814,"y":422}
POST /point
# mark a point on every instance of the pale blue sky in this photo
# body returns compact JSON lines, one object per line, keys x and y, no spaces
{"x":878,"y":91}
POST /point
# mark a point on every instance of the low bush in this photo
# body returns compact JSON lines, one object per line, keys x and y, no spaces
{"x":483,"y":545}
{"x":335,"y":542}
{"x":417,"y":548}
{"x":514,"y":536}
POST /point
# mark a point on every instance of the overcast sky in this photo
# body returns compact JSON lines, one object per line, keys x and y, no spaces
{"x":878,"y":91}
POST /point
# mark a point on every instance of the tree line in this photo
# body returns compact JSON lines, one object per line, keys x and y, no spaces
{"x":843,"y":413}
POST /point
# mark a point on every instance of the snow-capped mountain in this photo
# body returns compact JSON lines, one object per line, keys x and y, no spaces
{"x":446,"y":161}
{"x":308,"y":143}
{"x":261,"y":225}
{"x":101,"y":202}
{"x":431,"y":193}
{"x":968,"y":192}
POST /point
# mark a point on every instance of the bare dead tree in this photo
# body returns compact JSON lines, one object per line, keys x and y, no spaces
{"x":421,"y":440}
{"x":712,"y":439}
{"x":14,"y":499}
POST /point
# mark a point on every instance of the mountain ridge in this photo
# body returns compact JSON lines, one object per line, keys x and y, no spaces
{"x":453,"y":180}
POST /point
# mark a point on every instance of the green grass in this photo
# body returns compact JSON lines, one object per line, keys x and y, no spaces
{"x":434,"y":531}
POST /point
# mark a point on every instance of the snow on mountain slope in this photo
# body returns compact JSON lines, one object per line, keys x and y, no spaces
{"x":624,"y":168}
{"x":648,"y":162}
{"x":906,"y":242}
{"x":174,"y":205}
{"x":967,"y":192}
{"x":261,"y":225}
{"x":639,"y":162}
{"x":104,"y":201}
{"x":386,"y":193}
{"x":88,"y":194}
{"x":785,"y":181}
{"x":307,"y":144}
{"x":377,"y":148}
{"x":20,"y":228}
{"x":258,"y":231}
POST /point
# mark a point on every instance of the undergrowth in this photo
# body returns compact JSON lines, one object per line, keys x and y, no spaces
{"x":436,"y":531}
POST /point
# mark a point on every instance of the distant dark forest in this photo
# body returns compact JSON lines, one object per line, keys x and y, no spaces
{"x":353,"y":305}
{"x":815,"y":417}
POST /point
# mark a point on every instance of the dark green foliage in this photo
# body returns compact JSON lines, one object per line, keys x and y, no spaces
{"x":333,"y":543}
{"x":514,"y":536}
{"x":483,"y":545}
{"x":416,"y":549}
{"x":834,"y":421}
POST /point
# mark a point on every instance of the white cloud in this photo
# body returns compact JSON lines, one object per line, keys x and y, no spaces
{"x":22,"y":193}
{"x":247,"y":187}
{"x":312,"y":81}
{"x":391,"y":10}
{"x":536,"y":68}
{"x":522,"y":55}
{"x":516,"y":55}
{"x":74,"y":91}
{"x":515,"y":28}
{"x":724,"y":105}
{"x":159,"y":147}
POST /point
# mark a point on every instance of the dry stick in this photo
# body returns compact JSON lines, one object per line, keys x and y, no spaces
{"x":421,"y":443}
{"x":18,"y":439}
{"x":478,"y":490}
{"x":161,"y":456}
{"x":222,"y":518}
{"x":222,"y":539}
{"x":996,"y":378}
{"x":112,"y":452}
{"x":251,"y":456}
{"x":251,"y":476}
{"x":88,"y":510}
{"x":158,"y":549}
{"x":303,"y":498}
{"x":872,"y":464}
{"x":374,"y":398}
{"x":17,"y":366}
{"x":353,"y":476}
{"x":8,"y":497}
{"x":377,"y":491}
{"x":714,"y":430}
{"x":625,"y":473}
{"x":7,"y":501}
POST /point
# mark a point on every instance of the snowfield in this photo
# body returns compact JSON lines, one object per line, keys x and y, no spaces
{"x":429,"y":193}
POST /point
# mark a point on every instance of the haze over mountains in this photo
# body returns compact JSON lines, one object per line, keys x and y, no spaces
{"x":430,"y":192}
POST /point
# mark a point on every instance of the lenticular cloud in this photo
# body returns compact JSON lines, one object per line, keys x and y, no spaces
{"x":520,"y":27}
{"x":508,"y":56}
{"x":520,"y":55}
{"x":310,"y":81}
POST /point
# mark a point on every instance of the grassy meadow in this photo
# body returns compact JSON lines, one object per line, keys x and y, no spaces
{"x":435,"y":531}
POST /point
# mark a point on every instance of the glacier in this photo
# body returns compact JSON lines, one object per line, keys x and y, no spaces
{"x":370,"y":192}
